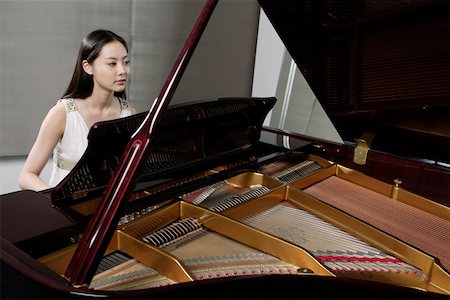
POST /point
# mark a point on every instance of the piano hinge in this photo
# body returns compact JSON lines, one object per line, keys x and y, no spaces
{"x":80,"y":194}
{"x":362,"y":148}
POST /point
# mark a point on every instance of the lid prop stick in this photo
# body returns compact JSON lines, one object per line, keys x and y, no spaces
{"x":102,"y":224}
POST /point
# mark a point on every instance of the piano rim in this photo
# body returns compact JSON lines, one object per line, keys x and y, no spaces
{"x":26,"y":266}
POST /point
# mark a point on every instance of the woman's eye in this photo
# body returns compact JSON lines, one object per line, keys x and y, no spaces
{"x":126,"y":62}
{"x":112,"y":64}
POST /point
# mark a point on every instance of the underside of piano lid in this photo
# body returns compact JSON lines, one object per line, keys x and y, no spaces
{"x":380,"y":69}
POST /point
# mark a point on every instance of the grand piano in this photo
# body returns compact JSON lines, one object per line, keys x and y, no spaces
{"x":221,"y":206}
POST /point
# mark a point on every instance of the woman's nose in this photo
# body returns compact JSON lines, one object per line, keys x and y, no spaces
{"x":122,"y":69}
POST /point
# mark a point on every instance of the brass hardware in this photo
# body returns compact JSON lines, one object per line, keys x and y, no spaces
{"x":397,"y":182}
{"x":362,"y":148}
{"x":396,"y":188}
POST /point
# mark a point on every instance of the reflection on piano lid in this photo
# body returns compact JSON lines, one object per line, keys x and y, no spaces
{"x":377,"y":67}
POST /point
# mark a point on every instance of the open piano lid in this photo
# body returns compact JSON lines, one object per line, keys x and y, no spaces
{"x":379,"y":68}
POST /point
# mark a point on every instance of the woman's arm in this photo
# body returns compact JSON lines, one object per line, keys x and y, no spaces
{"x":51,"y":131}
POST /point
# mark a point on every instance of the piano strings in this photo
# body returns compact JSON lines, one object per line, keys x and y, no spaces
{"x":221,"y":196}
{"x":288,"y":171}
{"x":193,"y":245}
{"x":112,"y":260}
{"x":237,"y":265}
{"x":119,"y":272}
{"x":336,"y":249}
{"x":179,"y":229}
{"x":414,"y":226}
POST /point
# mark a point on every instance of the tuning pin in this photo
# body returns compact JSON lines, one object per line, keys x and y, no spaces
{"x":396,"y":188}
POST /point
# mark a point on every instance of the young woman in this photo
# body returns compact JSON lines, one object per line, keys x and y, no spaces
{"x":95,"y":93}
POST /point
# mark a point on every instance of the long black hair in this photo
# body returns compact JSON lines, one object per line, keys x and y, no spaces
{"x":82,"y":84}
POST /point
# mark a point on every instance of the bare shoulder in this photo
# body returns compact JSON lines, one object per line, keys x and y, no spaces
{"x":55,"y":121}
{"x":58,"y":111}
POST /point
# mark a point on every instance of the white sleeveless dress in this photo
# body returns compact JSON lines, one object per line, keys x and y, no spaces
{"x":74,"y":142}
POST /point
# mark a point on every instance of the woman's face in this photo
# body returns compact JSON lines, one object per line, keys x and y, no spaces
{"x":110,"y":70}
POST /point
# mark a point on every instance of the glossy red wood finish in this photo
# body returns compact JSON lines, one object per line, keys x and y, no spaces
{"x":102,"y":224}
{"x":19,"y":220}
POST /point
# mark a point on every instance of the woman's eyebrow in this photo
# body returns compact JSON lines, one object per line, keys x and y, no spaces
{"x":115,"y":58}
